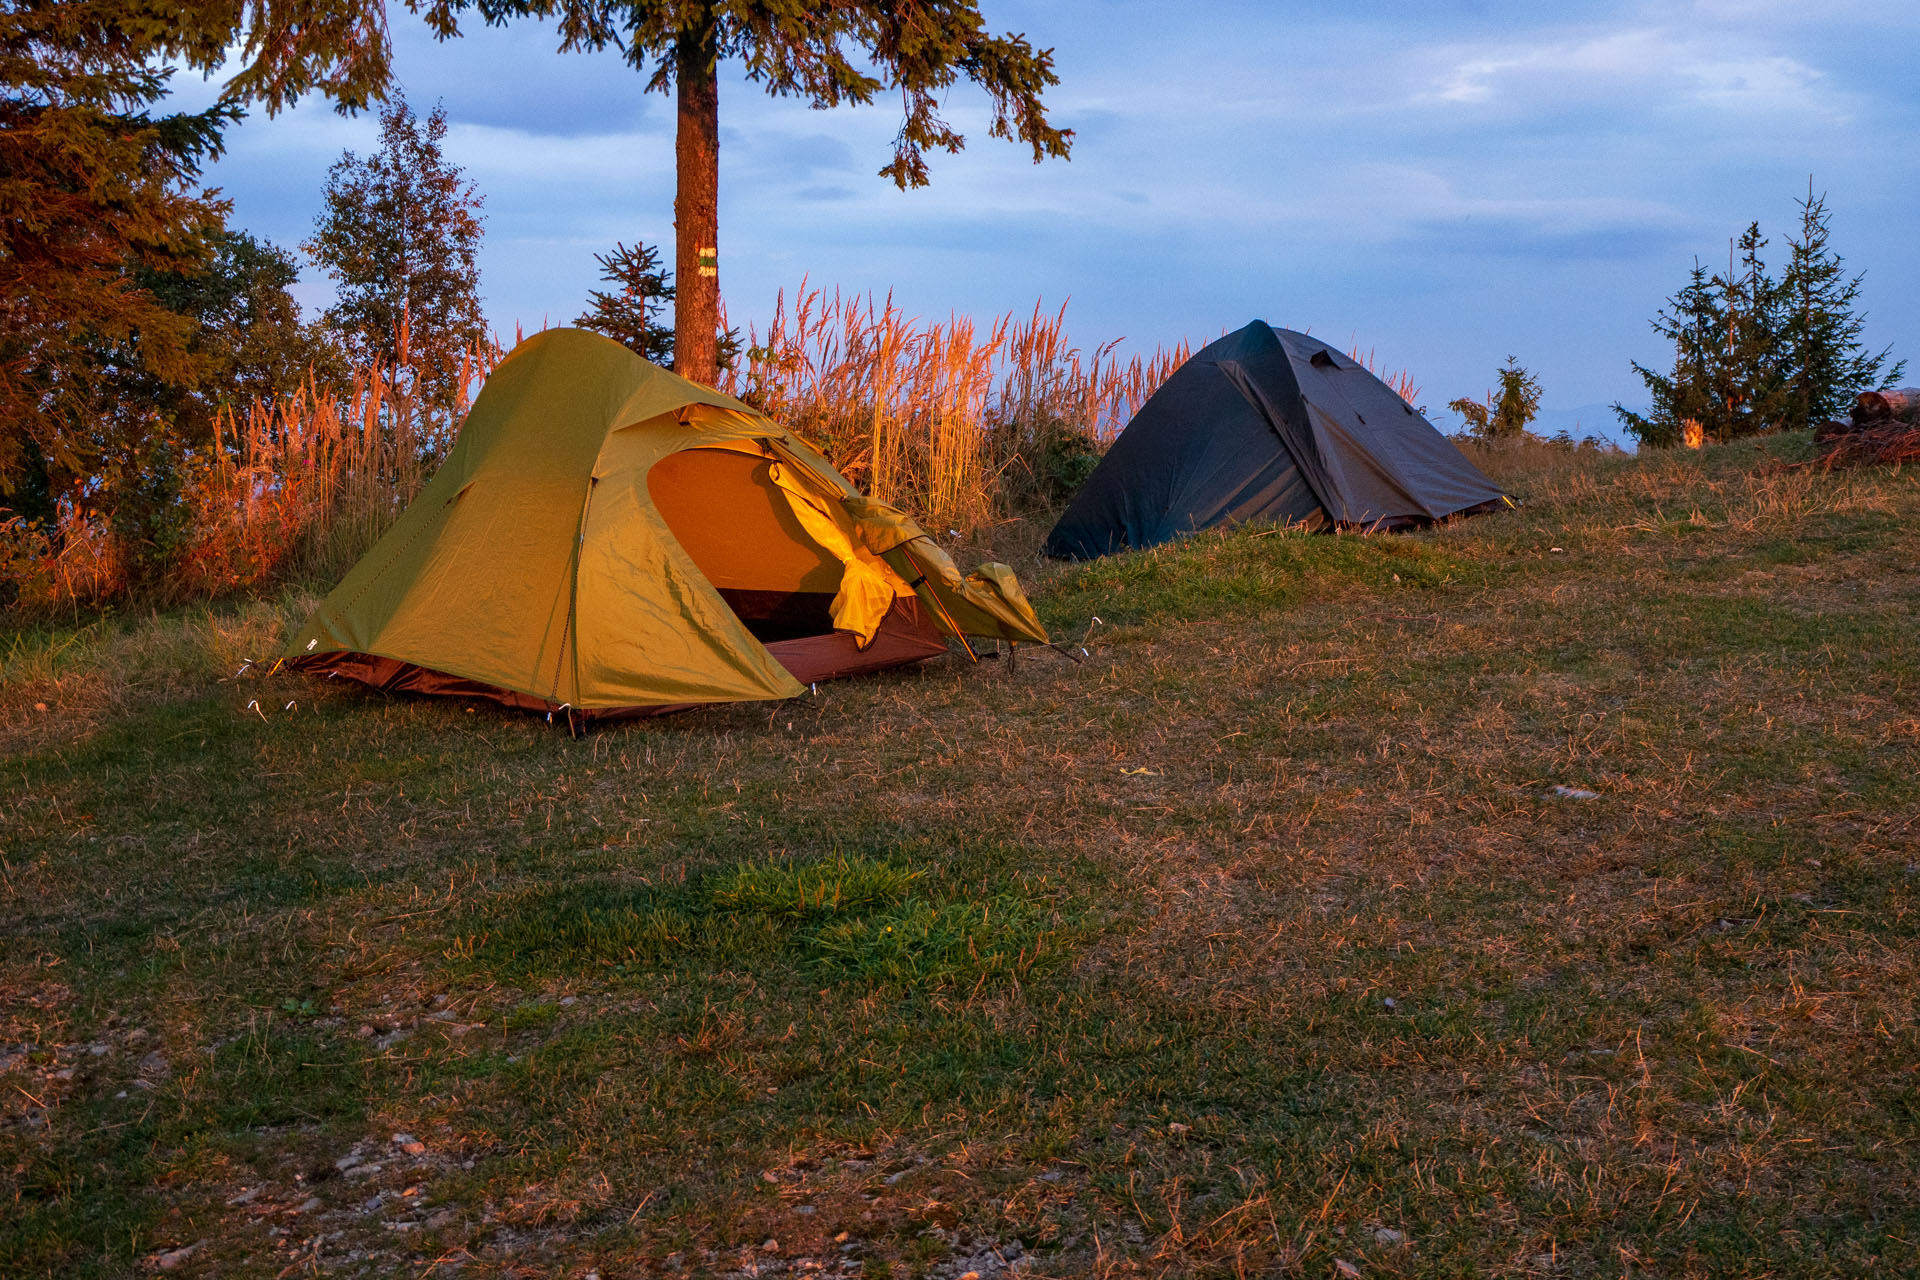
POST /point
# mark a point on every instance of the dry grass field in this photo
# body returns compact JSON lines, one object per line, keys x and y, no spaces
{"x":1534,"y":896}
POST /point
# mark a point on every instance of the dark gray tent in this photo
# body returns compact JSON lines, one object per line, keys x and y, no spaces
{"x":1268,"y":425}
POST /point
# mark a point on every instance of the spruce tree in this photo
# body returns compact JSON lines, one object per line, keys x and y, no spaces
{"x":1694,"y":320}
{"x":1505,"y":416}
{"x":1747,"y":375}
{"x":1755,"y":354}
{"x":627,"y":312}
{"x":1826,"y":364}
{"x":101,"y":198}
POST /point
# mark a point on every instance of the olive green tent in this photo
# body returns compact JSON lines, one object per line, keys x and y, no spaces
{"x":607,"y":538}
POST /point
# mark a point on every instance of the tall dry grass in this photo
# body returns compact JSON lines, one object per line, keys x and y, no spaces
{"x":959,"y":422}
{"x":962,"y":423}
{"x":298,"y":488}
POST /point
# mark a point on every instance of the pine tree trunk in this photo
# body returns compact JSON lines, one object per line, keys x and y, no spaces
{"x":696,"y":209}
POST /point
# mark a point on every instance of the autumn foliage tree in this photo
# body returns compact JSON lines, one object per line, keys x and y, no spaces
{"x":827,"y":52}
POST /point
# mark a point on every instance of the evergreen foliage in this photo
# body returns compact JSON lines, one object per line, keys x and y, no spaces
{"x":1506,"y":415}
{"x":399,"y":234}
{"x":96,"y":189}
{"x":626,"y":313}
{"x":1826,"y":363}
{"x":1754,"y":354}
{"x":99,"y":201}
{"x":248,"y":345}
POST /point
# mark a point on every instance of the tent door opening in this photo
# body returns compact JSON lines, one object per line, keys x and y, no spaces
{"x":733,"y":522}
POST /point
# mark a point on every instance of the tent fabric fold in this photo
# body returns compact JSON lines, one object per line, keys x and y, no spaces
{"x":608,"y":538}
{"x":1274,"y":426}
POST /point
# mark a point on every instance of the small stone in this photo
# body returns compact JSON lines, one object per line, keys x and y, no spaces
{"x":414,"y":1148}
{"x":1388,"y":1236}
{"x":98,"y":1050}
{"x":363,"y":1171}
{"x":1345,"y":1270}
{"x":1389,"y":1003}
{"x":308,"y":1205}
{"x":136,"y":1035}
{"x":155,"y":1064}
{"x":174,"y":1257}
{"x":347,"y":1161}
{"x":121,"y":1094}
{"x":841,"y":1238}
{"x":770,"y":1245}
{"x":246,"y":1197}
{"x":402,"y":1139}
{"x":64,"y":1073}
{"x":803,"y":1208}
{"x":569,"y":1001}
{"x":364,"y":1032}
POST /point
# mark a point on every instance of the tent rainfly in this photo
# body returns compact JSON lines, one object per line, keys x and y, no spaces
{"x":1268,"y":425}
{"x":608,"y":539}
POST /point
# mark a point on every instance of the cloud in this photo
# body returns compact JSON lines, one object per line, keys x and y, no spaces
{"x":1644,"y":68}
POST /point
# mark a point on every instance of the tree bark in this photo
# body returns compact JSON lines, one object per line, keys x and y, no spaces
{"x":696,"y":208}
{"x":1877,"y":406}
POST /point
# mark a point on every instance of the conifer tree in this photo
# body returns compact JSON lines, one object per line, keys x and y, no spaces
{"x":828,"y":52}
{"x":1753,"y":354}
{"x":627,"y":312}
{"x":1693,"y":320}
{"x":100,"y":198}
{"x":1826,"y":365}
{"x":1507,"y":415}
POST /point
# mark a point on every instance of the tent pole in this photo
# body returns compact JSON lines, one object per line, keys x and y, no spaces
{"x":952,"y":626}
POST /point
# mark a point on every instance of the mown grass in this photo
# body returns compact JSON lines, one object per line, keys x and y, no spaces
{"x":1259,"y":942}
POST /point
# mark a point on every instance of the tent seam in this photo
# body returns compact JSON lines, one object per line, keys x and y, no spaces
{"x":398,"y":552}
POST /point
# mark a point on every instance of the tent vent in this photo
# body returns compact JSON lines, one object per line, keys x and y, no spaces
{"x":1324,"y":360}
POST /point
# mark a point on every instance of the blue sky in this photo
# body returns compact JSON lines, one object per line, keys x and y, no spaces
{"x":1444,"y":182}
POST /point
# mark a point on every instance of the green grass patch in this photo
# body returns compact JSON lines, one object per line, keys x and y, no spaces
{"x":838,"y":918}
{"x":809,"y":890}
